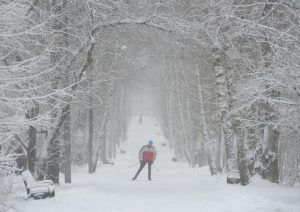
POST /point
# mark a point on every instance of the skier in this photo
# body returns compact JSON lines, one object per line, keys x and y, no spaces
{"x":147,"y":154}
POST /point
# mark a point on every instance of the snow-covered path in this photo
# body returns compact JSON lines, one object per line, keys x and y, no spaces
{"x":175,"y":187}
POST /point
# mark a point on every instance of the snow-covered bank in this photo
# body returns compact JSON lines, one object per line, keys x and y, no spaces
{"x":175,"y":186}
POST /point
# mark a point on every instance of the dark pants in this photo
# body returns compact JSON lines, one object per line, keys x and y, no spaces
{"x":143,"y":163}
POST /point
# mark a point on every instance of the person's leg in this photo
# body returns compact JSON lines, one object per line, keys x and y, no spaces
{"x":143,"y":163}
{"x":149,"y":170}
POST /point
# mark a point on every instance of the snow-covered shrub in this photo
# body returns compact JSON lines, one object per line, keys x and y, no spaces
{"x":8,"y":168}
{"x":6,"y":185}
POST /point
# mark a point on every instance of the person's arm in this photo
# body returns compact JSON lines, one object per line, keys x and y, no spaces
{"x":141,"y":153}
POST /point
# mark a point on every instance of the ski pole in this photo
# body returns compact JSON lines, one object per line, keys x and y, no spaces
{"x":155,"y":168}
{"x":133,"y":165}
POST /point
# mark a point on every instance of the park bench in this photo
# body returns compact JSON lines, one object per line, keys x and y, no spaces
{"x":233,"y":177}
{"x":37,"y":189}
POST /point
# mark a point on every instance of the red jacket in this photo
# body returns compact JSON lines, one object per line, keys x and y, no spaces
{"x":147,"y":153}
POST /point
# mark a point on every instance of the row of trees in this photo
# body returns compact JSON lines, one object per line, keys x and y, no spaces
{"x":228,"y":76}
{"x":239,"y":88}
{"x":51,"y":76}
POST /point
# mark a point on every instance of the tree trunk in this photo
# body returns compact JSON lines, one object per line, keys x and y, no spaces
{"x":68,"y":150}
{"x":219,"y":155}
{"x":104,"y":144}
{"x":242,"y":160}
{"x":171,"y":119}
{"x":223,"y":102}
{"x":53,"y":150}
{"x":208,"y":142}
{"x":103,"y":128}
{"x":32,"y":133}
{"x":31,"y":151}
{"x":271,"y":133}
{"x":271,"y":171}
{"x":90,"y":68}
{"x":90,"y":141}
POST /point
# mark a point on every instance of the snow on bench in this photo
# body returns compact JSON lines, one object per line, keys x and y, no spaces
{"x":37,"y":189}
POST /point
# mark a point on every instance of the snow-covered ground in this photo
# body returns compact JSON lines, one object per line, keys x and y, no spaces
{"x":175,"y":186}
